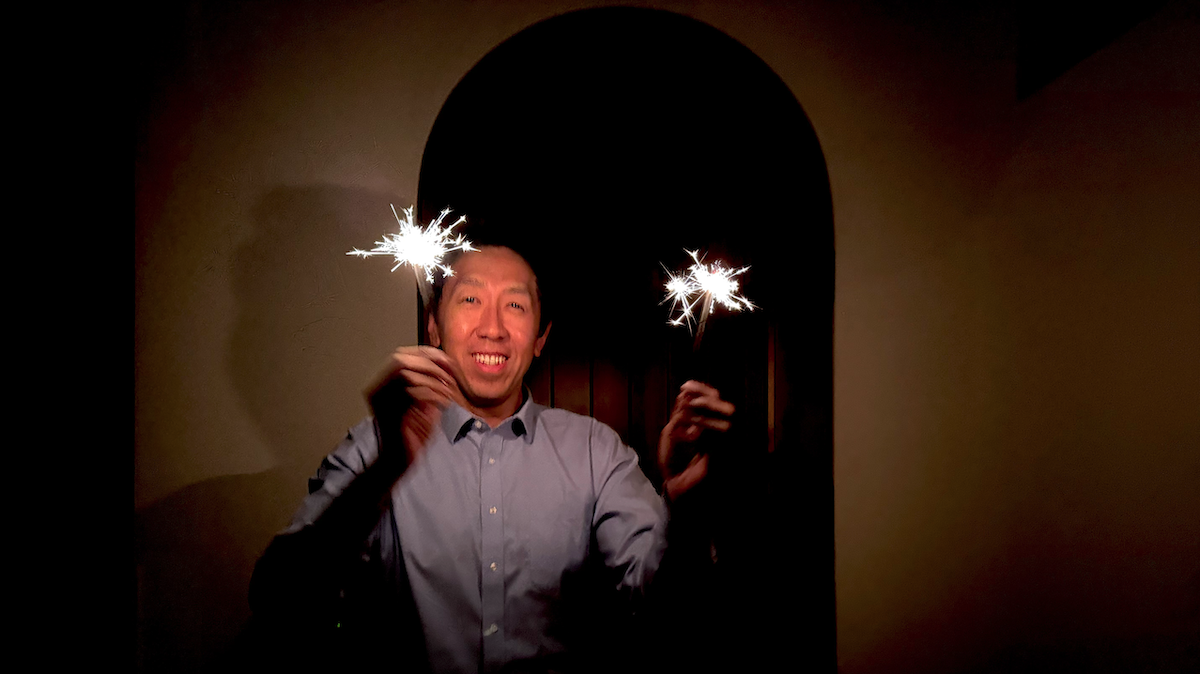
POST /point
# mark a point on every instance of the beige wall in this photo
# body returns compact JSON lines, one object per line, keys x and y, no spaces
{"x":1017,"y":381}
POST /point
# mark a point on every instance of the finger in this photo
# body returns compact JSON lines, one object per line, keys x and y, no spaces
{"x":712,"y":404}
{"x":398,"y":363}
{"x":416,"y":369}
{"x":693,"y":388}
{"x":431,"y":352}
{"x":699,"y":422}
{"x":714,"y":407}
{"x":428,"y":396}
{"x":439,"y":357}
{"x":419,"y":380}
{"x":448,"y":386}
{"x":420,"y":362}
{"x":694,"y":428}
{"x":448,"y":367}
{"x":696,"y":393}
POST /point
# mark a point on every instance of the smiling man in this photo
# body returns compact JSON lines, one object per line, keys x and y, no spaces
{"x":468,"y":514}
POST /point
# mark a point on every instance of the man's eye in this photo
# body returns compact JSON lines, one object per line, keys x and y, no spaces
{"x":517,"y":305}
{"x":469,"y":299}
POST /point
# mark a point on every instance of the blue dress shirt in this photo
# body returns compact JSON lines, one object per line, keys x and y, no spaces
{"x":493,"y":526}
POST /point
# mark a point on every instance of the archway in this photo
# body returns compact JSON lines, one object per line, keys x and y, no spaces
{"x":603,"y":142}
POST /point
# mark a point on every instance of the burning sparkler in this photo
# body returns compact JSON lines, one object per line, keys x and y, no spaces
{"x":421,"y":249}
{"x":705,"y":285}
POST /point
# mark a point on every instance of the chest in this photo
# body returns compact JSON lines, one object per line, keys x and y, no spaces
{"x":489,"y":508}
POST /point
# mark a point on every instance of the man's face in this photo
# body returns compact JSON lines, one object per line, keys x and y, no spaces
{"x":487,"y":324}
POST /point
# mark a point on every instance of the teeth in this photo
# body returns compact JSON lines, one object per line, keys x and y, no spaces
{"x":490,"y":359}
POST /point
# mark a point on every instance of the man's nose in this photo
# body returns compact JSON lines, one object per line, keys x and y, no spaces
{"x":491,"y":323}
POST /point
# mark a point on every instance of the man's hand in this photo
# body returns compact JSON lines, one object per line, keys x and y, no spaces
{"x":410,"y":394}
{"x":698,"y":407}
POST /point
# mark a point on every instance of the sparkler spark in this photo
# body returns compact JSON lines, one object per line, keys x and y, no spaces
{"x":421,"y":249}
{"x":705,"y":285}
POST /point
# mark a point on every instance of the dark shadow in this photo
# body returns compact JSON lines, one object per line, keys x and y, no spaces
{"x":196,"y":547}
{"x":1055,"y":36}
{"x":600,"y":144}
{"x":194,"y":551}
{"x":1171,"y":653}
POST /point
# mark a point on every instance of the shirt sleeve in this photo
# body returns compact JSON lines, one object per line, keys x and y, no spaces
{"x":320,"y":598}
{"x":630,"y":518}
{"x":348,"y":460}
{"x":302,"y":568}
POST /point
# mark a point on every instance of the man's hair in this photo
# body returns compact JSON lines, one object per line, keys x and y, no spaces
{"x":439,"y":284}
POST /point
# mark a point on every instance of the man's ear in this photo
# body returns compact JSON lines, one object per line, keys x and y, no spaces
{"x":431,"y":331}
{"x":541,"y":341}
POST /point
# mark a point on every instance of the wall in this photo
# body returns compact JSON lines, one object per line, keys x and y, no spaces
{"x":1016,"y":387}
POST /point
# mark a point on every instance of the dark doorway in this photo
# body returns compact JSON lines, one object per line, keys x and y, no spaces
{"x":601,"y":143}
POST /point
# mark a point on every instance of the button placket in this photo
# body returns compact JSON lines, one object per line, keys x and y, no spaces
{"x":492,"y":547}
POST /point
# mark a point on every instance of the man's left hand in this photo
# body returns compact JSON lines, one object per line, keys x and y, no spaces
{"x":698,"y":408}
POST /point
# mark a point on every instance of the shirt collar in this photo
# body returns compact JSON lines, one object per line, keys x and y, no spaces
{"x":457,"y":422}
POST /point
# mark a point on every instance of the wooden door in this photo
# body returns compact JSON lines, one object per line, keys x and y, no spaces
{"x":601,"y":144}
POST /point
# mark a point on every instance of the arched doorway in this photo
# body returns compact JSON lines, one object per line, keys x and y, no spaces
{"x":603,"y":142}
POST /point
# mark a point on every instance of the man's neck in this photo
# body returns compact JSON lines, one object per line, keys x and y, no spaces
{"x":493,"y":415}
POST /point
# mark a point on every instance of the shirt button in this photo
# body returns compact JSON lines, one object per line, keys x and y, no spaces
{"x":491,"y":461}
{"x":493,"y":566}
{"x":479,"y":425}
{"x":492,"y":510}
{"x":492,"y":629}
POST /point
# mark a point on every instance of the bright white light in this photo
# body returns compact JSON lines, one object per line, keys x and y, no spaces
{"x":704,"y":285}
{"x":421,"y":249}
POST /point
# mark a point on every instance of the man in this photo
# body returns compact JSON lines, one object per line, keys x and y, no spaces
{"x":490,"y":507}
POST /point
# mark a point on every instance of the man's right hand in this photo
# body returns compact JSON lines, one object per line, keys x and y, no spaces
{"x":408,"y":397}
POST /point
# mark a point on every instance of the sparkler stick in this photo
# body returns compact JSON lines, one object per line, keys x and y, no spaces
{"x":708,"y":302}
{"x":705,"y":285}
{"x":421,"y":249}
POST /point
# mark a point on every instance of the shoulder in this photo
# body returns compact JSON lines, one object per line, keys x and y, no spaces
{"x":603,"y":445}
{"x":559,"y":423}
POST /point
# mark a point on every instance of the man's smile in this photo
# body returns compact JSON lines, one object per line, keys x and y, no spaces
{"x":490,"y":359}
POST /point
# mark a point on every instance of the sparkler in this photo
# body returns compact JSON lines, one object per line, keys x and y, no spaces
{"x":705,"y":285}
{"x":421,"y":249}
